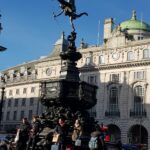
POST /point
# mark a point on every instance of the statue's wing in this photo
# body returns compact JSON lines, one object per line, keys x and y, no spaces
{"x":65,"y":3}
{"x":72,"y":2}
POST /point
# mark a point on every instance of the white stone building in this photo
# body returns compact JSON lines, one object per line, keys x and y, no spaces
{"x":120,"y":67}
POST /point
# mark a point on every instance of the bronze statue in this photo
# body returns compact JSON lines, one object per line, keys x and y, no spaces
{"x":69,"y":9}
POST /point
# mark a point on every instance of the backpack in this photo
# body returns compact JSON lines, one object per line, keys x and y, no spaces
{"x":93,"y":143}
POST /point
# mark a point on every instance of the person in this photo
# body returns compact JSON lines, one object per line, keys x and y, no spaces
{"x":96,"y":142}
{"x":36,"y":125}
{"x":77,"y":132}
{"x":119,"y":145}
{"x":62,"y":129}
{"x":23,"y":134}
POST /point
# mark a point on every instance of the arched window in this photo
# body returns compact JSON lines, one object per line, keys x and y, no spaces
{"x":138,"y":98}
{"x":101,"y":59}
{"x":146,"y":53}
{"x":130,"y":56}
{"x":113,"y":99}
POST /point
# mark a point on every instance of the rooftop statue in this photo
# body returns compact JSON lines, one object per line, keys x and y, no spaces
{"x":69,"y":9}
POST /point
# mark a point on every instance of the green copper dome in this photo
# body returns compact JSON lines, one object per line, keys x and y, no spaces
{"x":134,"y":24}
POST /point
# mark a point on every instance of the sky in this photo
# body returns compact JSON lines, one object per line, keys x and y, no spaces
{"x":30,"y":31}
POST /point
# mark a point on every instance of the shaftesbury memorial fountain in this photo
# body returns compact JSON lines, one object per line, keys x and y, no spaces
{"x":68,"y":96}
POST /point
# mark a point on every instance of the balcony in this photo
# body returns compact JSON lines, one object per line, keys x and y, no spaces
{"x":113,"y":111}
{"x":138,"y":111}
{"x":21,"y":78}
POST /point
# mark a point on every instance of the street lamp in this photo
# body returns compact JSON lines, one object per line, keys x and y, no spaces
{"x":1,"y":47}
{"x":2,"y":98}
{"x":2,"y":81}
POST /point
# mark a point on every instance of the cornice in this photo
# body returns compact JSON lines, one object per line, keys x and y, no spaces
{"x":124,"y":65}
{"x":88,"y":68}
{"x":21,"y":83}
{"x":115,"y":66}
{"x":28,"y":82}
{"x":106,"y":48}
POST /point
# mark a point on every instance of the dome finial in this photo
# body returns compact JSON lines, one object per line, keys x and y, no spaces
{"x":133,"y":15}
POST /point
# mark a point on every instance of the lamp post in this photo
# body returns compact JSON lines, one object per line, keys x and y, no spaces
{"x":2,"y":81}
{"x":1,"y":47}
{"x":2,"y":98}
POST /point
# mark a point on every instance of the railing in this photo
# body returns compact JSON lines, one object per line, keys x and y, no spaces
{"x":138,"y":111}
{"x":21,"y":78}
{"x":113,"y":111}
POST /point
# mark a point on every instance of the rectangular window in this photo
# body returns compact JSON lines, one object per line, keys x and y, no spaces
{"x":140,"y":37}
{"x":21,"y":114}
{"x":15,"y":115}
{"x":130,"y":56}
{"x":10,"y":92}
{"x":23,"y":102}
{"x":17,"y":92}
{"x":139,"y":75}
{"x":88,"y":60}
{"x":31,"y":101}
{"x":146,"y":53}
{"x":113,"y":102}
{"x":3,"y":103}
{"x":114,"y":78}
{"x":92,"y":112}
{"x":9,"y":102}
{"x":30,"y":114}
{"x":92,"y":79}
{"x":101,"y":59}
{"x":16,"y":102}
{"x":24,"y":90}
{"x":8,"y":116}
{"x":32,"y":89}
{"x":2,"y":116}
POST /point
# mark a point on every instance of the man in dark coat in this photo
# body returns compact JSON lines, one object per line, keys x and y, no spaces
{"x":36,"y":125}
{"x":23,"y":134}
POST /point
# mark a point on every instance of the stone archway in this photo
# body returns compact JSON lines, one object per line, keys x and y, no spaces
{"x":138,"y":134}
{"x":114,"y":132}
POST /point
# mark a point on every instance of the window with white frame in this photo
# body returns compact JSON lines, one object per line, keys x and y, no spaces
{"x":8,"y":115}
{"x":15,"y":115}
{"x":138,"y":98}
{"x":92,"y":111}
{"x":21,"y":114}
{"x":23,"y":102}
{"x":130,"y":56}
{"x":16,"y":102}
{"x":31,"y":101}
{"x":17,"y":91}
{"x":32,"y":89}
{"x":3,"y":103}
{"x":24,"y":90}
{"x":92,"y":79}
{"x":2,"y":116}
{"x":114,"y":77}
{"x":145,"y":53}
{"x":30,"y":114}
{"x":10,"y":92}
{"x":101,"y":59}
{"x":9,"y":102}
{"x":88,"y":60}
{"x":113,"y":99}
{"x":139,"y":75}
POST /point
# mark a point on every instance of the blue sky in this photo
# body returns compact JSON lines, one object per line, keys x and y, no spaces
{"x":29,"y":29}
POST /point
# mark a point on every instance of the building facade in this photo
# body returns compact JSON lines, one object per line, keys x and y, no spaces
{"x":120,"y":67}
